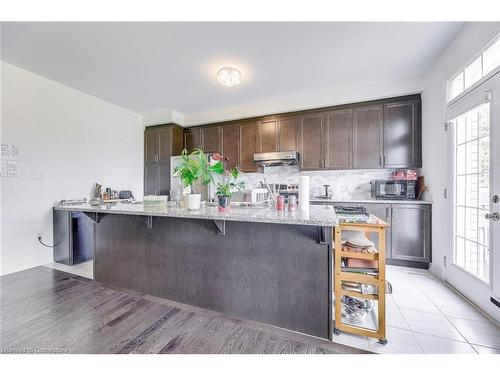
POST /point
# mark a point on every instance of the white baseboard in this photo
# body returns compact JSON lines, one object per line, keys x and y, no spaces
{"x":24,"y":266}
{"x":437,"y":271}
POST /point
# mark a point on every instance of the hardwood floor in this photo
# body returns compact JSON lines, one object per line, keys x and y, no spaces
{"x":44,"y":310}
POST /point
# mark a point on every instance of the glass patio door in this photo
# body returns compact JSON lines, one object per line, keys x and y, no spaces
{"x":474,"y":144}
{"x":472,"y":191}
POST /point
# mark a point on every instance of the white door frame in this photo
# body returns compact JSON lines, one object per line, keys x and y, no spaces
{"x":469,"y":285}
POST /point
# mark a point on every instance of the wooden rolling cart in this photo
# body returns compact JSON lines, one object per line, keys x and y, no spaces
{"x":373,"y":226}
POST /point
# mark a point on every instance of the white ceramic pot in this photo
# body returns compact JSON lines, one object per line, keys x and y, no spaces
{"x":193,"y":201}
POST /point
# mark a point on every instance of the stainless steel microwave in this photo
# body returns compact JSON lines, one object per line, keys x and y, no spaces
{"x":394,"y":189}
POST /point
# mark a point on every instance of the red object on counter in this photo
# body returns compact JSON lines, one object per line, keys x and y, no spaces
{"x":280,"y":202}
{"x":404,"y":174}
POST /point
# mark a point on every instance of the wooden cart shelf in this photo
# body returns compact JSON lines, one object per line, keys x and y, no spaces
{"x":352,"y":293}
{"x":352,"y":254}
{"x":373,"y":226}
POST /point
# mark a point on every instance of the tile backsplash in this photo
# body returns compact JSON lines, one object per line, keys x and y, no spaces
{"x":346,"y":184}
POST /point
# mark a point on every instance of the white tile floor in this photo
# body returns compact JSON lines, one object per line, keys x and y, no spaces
{"x":424,"y":315}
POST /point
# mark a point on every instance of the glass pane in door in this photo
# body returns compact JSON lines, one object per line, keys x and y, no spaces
{"x":472,"y":191}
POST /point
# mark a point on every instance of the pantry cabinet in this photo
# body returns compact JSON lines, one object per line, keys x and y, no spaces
{"x":160,"y":143}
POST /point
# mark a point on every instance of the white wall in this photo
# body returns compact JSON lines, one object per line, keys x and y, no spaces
{"x":68,"y":140}
{"x":341,"y":94}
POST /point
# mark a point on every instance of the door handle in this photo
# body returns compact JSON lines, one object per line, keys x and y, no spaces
{"x":495,"y":216}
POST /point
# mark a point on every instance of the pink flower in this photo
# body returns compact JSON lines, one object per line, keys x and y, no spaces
{"x":216,"y":156}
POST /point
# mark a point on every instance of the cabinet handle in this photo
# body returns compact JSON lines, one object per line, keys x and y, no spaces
{"x":383,"y":159}
{"x":380,"y":160}
{"x":387,"y":212}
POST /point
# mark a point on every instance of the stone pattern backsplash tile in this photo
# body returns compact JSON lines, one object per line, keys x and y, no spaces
{"x":351,"y":184}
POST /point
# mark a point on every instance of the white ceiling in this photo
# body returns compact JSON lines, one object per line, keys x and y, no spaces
{"x":147,"y":67}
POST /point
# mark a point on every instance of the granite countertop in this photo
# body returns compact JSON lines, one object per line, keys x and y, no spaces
{"x":316,"y":215}
{"x":381,"y":201}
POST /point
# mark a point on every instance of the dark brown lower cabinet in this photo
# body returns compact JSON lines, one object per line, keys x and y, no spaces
{"x":411,"y":233}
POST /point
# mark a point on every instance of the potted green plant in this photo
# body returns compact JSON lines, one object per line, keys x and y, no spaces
{"x":195,"y":166}
{"x":226,"y":186}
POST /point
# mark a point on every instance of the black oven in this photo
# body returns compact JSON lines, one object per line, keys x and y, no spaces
{"x":394,"y":189}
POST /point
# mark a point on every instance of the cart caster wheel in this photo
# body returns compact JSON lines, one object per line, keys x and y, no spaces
{"x":336,"y":331}
{"x":383,"y":342}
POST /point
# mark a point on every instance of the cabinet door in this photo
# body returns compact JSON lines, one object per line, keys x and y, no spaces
{"x":402,"y":134}
{"x":151,"y":179}
{"x":248,"y":146}
{"x":192,"y":139}
{"x":287,"y":137}
{"x":211,"y":139}
{"x":177,"y":140}
{"x":165,"y":146}
{"x":382,"y":211}
{"x":367,"y":137}
{"x":231,"y":146}
{"x":151,"y":144}
{"x":163,"y":178}
{"x":268,"y":136}
{"x":411,"y":233}
{"x":338,"y":139}
{"x":311,"y":145}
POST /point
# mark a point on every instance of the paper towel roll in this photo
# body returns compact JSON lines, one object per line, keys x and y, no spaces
{"x":304,"y":192}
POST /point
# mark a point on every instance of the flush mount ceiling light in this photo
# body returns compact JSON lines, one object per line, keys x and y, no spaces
{"x":229,"y":77}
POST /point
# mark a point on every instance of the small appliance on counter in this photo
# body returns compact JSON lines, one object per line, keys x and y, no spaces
{"x":327,"y":195}
{"x":403,"y":186}
{"x":394,"y":189}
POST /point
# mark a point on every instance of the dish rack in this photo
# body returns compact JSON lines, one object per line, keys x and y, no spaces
{"x":373,"y":226}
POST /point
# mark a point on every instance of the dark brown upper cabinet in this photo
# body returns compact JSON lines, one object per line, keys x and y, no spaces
{"x":268,"y":136}
{"x":367,"y":137}
{"x":192,"y":139}
{"x":338,"y":139}
{"x":151,"y":145}
{"x":287,"y":133}
{"x":249,"y":139}
{"x":170,"y":141}
{"x":311,"y":142}
{"x":231,"y":146}
{"x":402,"y":134}
{"x":211,"y":139}
{"x":378,"y":134}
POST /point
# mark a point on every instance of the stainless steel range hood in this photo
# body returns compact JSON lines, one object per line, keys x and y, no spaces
{"x":267,"y":159}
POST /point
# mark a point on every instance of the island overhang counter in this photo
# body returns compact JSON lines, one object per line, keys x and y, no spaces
{"x":269,"y":266}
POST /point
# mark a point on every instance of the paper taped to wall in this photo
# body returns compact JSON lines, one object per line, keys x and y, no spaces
{"x":9,"y":152}
{"x":9,"y":168}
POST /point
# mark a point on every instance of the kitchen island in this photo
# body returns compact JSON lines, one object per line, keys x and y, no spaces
{"x":259,"y":264}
